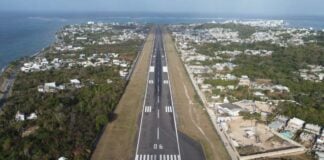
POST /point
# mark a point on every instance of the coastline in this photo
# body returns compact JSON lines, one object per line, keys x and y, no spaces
{"x":46,"y":33}
{"x":3,"y":69}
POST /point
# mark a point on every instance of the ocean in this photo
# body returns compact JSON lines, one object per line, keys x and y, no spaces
{"x":24,"y":34}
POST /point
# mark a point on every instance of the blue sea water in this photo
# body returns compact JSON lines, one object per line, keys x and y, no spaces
{"x":24,"y":34}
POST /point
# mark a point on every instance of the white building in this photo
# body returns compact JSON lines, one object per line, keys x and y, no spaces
{"x":230,"y":109}
{"x":19,"y":116}
{"x":244,"y":81}
{"x":312,"y":128}
{"x":295,"y":124}
{"x":32,"y":116}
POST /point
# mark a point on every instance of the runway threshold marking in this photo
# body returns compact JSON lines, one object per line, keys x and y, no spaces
{"x":157,"y":157}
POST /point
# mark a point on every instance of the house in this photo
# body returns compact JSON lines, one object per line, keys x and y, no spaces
{"x":280,"y":88}
{"x":295,"y":124}
{"x":279,"y":123}
{"x":244,"y":81}
{"x":312,"y":128}
{"x":320,"y":155}
{"x":50,"y":87}
{"x":109,"y":81}
{"x":230,"y":109}
{"x":62,"y":158}
{"x":123,"y":73}
{"x":76,"y":83}
{"x":32,"y":116}
{"x":19,"y":116}
{"x":319,"y":144}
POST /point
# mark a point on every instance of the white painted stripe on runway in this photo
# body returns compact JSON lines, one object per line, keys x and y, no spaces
{"x":151,"y":81}
{"x":164,"y":158}
{"x":148,"y":109}
{"x":167,"y":157}
{"x":158,"y":114}
{"x":168,"y":109}
{"x":160,"y":157}
{"x":166,"y":82}
{"x":154,"y":157}
{"x":136,"y":157}
{"x":175,"y":157}
{"x":158,"y":133}
{"x":165,"y":69}
{"x":140,"y":157}
{"x":171,"y":157}
{"x":151,"y":69}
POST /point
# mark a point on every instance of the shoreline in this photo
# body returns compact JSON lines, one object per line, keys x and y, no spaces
{"x":3,"y":69}
{"x":289,"y":23}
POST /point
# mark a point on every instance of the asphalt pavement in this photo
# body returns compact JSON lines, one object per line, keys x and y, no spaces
{"x":158,"y":137}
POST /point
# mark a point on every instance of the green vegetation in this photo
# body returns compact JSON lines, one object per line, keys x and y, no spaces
{"x":307,"y":113}
{"x":250,"y":116}
{"x":282,"y":68}
{"x":68,"y":120}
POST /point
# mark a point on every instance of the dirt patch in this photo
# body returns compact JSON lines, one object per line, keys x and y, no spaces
{"x":191,"y":116}
{"x":118,"y":139}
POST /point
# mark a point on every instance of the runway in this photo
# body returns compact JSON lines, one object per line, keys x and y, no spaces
{"x":158,"y":137}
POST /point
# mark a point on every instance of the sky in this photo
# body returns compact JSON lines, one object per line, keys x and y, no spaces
{"x":264,"y":7}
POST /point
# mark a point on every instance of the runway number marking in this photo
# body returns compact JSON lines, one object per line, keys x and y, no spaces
{"x":168,"y":109}
{"x":160,"y":146}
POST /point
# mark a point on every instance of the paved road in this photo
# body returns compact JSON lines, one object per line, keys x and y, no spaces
{"x":158,"y":138}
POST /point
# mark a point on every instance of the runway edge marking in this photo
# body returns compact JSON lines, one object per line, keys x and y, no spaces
{"x":148,"y":75}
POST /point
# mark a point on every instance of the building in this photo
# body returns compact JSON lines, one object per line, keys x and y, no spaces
{"x":230,"y":109}
{"x":76,"y":83}
{"x":32,"y":116}
{"x":320,"y":155}
{"x":244,"y":81}
{"x":19,"y":116}
{"x":279,"y":123}
{"x":312,"y":128}
{"x":295,"y":124}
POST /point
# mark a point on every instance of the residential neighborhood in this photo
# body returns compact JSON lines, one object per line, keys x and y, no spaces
{"x":244,"y":108}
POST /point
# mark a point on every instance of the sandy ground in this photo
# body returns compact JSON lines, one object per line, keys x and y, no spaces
{"x":267,"y":140}
{"x":118,"y":139}
{"x":192,"y":118}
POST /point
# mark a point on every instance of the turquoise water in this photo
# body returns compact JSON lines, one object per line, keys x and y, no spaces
{"x":24,"y":34}
{"x":287,"y":134}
